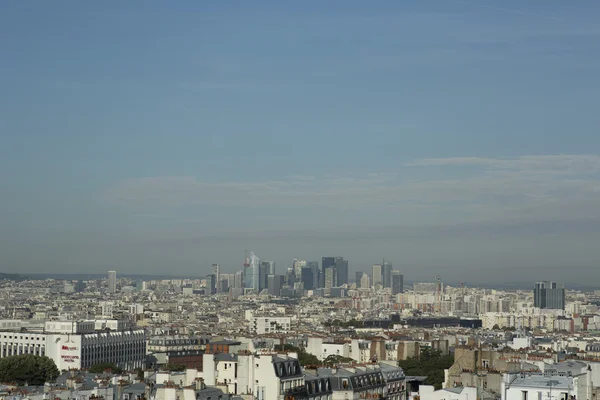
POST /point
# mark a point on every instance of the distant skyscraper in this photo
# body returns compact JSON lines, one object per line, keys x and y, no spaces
{"x":330,"y":277}
{"x":271,"y":269}
{"x":265,"y":267}
{"x":549,"y":295}
{"x":308,"y":278}
{"x":255,"y":271}
{"x":216,"y":270}
{"x":376,"y":276}
{"x":314,"y":266}
{"x":341,"y":269}
{"x":297,"y":265}
{"x":275,"y":283}
{"x":386,"y":274}
{"x":326,"y":262}
{"x":112,"y":281}
{"x":211,"y":284}
{"x":359,"y":275}
{"x":397,"y":282}
{"x":364,"y":281}
{"x":238,"y":280}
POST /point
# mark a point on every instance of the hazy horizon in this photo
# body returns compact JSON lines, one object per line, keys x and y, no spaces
{"x":453,"y":138}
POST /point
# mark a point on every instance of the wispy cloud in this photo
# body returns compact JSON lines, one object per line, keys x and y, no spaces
{"x":482,"y":188}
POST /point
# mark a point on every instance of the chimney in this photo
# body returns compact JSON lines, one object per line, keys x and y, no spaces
{"x":200,"y":384}
{"x":120,"y":388}
{"x":147,"y":391}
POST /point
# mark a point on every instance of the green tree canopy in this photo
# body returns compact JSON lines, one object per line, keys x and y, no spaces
{"x":174,"y":367}
{"x":430,"y":363}
{"x":28,"y":369}
{"x":303,"y":357}
{"x":100,"y":368}
{"x":336,"y":359}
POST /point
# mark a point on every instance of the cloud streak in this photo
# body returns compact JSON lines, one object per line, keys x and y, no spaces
{"x":481,"y":188}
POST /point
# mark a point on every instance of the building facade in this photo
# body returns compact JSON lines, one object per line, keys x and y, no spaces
{"x":549,"y":295}
{"x":81,"y":344}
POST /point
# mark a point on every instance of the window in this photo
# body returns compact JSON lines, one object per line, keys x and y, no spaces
{"x":524,"y":395}
{"x":540,"y":395}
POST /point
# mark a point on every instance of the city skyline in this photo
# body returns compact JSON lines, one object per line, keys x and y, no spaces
{"x":452,"y":137}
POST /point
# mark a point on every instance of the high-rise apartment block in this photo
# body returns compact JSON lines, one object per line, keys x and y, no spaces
{"x":549,"y":295}
{"x":112,"y":281}
{"x":397,"y":282}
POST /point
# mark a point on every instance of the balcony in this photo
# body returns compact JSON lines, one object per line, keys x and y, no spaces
{"x":294,"y":390}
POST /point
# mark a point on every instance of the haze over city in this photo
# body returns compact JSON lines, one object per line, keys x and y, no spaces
{"x":454,"y":138}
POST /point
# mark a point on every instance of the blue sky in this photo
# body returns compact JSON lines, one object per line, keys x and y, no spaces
{"x":455,"y":135}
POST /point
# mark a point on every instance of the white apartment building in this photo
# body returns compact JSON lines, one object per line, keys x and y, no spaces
{"x":270,"y":324}
{"x":360,"y":350}
{"x":537,"y":386}
{"x":267,"y":377}
{"x":79,"y":344}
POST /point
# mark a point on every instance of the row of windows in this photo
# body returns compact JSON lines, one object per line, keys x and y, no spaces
{"x":38,"y":351}
{"x":21,"y":337}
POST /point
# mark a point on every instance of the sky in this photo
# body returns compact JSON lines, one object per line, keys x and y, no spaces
{"x":453,"y":137}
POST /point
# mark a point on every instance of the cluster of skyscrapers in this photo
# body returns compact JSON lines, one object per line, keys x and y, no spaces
{"x":382,"y":276}
{"x":332,"y":272}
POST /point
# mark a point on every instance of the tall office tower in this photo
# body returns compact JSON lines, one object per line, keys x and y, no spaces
{"x":341,"y":270}
{"x":376,"y":276}
{"x":314,"y":267}
{"x":326,"y":262}
{"x":290,"y":277}
{"x":264,"y":269}
{"x":359,"y":275}
{"x":255,"y":271}
{"x":330,"y":277}
{"x":223,"y":284}
{"x":271,"y":268}
{"x":275,"y":283}
{"x":211,"y":284}
{"x":397,"y":282}
{"x":112,"y":281}
{"x":549,"y":295}
{"x":364,"y":281}
{"x":238,"y":280}
{"x":308,"y":278}
{"x":216,"y":270}
{"x":297,"y":265}
{"x":386,"y":272}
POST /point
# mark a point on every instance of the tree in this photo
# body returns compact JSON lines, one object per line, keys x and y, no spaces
{"x":174,"y":367}
{"x":303,"y":357}
{"x":430,"y":363}
{"x":102,"y":367}
{"x":306,"y":359}
{"x":333,"y":359}
{"x":28,"y":368}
